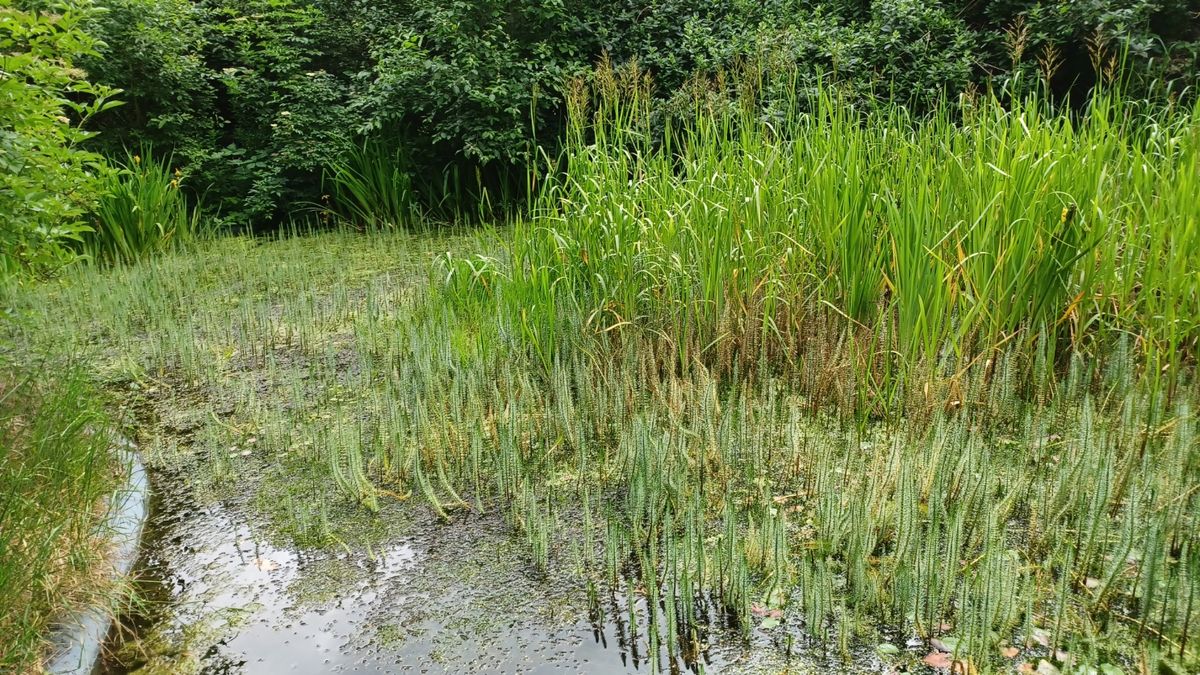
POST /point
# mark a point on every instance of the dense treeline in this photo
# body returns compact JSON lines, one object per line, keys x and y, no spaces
{"x":257,"y":97}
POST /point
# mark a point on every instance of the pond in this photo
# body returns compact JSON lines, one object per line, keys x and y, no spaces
{"x":349,"y":476}
{"x":222,"y":594}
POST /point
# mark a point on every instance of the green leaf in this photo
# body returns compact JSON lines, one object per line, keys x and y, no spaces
{"x":887,"y":649}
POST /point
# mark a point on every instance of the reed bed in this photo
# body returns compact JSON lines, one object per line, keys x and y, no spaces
{"x":771,"y":231}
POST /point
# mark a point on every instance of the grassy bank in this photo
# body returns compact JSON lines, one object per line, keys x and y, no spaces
{"x":55,"y":473}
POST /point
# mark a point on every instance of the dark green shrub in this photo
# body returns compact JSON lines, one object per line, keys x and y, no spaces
{"x":468,"y":75}
{"x":247,"y":94}
{"x":1155,"y":38}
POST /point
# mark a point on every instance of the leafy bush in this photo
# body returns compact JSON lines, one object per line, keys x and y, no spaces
{"x":155,"y":48}
{"x":468,"y":74}
{"x":1156,"y":38}
{"x":239,"y":90}
{"x":143,"y":211}
{"x":47,"y":181}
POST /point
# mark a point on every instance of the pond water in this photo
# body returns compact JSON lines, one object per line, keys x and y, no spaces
{"x":222,"y":595}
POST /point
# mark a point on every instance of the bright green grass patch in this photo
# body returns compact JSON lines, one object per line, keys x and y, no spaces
{"x":906,"y":249}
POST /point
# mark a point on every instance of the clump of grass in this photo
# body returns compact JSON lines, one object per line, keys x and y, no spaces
{"x":372,"y":185}
{"x":143,"y":212}
{"x":55,"y":471}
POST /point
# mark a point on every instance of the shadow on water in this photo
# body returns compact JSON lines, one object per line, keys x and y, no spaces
{"x":222,"y":595}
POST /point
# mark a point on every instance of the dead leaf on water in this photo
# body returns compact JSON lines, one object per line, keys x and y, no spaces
{"x":266,"y":564}
{"x":1046,"y":668}
{"x":761,"y":610}
{"x":937,"y":660}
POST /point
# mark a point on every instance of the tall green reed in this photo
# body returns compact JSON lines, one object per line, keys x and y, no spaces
{"x":372,"y":185}
{"x":910,"y":246}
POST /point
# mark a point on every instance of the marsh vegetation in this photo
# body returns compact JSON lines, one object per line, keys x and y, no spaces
{"x":771,"y":372}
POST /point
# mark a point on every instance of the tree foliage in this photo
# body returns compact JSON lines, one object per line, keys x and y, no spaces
{"x":48,"y":182}
{"x":258,"y":96}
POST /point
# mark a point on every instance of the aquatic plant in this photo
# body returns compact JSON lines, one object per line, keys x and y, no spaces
{"x":371,"y":185}
{"x":143,"y":211}
{"x":903,"y":249}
